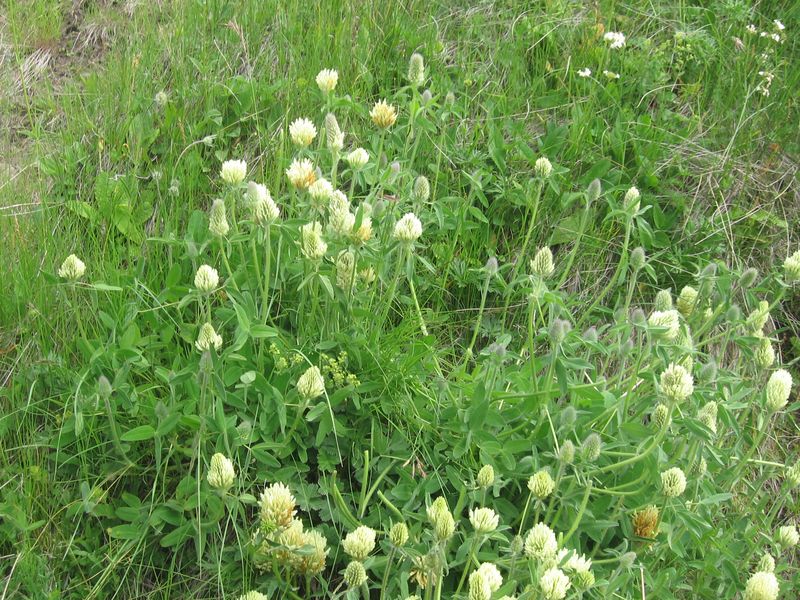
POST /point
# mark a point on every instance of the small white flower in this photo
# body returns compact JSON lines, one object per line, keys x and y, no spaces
{"x":751,"y":29}
{"x":778,"y":25}
{"x":615,"y":39}
{"x":327,"y":80}
{"x":302,"y":132}
{"x":233,"y":172}
{"x":584,"y":73}
{"x":610,"y":74}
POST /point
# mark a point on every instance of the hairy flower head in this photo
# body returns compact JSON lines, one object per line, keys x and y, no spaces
{"x":483,"y":520}
{"x":540,"y":543}
{"x":221,"y":473}
{"x":206,"y":279}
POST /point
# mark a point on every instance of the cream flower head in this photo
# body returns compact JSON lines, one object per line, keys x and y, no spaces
{"x":359,"y":543}
{"x":208,"y":338}
{"x":667,"y":320}
{"x":554,"y":584}
{"x":761,"y":586}
{"x":312,"y":245}
{"x":540,"y":543}
{"x":484,"y":520}
{"x":311,"y":385}
{"x":301,"y":173}
{"x":72,"y":269}
{"x":327,"y":80}
{"x":206,"y":279}
{"x":676,"y":383}
{"x":233,"y":172}
{"x":673,"y":482}
{"x":541,"y":484}
{"x":543,"y":167}
{"x":302,"y":131}
{"x":357,"y":158}
{"x":779,"y":387}
{"x":277,"y":507}
{"x":218,"y":219}
{"x":408,"y":229}
{"x":383,"y":114}
{"x":491,"y":575}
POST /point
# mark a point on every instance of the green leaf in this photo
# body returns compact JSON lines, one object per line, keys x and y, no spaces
{"x":138,"y":434}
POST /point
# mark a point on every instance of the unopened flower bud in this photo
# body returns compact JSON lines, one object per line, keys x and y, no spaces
{"x":416,"y":70}
{"x":221,"y":473}
{"x":591,"y":447}
{"x":422,"y":188}
{"x":355,"y":575}
{"x":638,"y":258}
{"x":593,"y":191}
{"x":791,"y":268}
{"x":663,"y":301}
{"x":566,"y":454}
{"x":748,"y":278}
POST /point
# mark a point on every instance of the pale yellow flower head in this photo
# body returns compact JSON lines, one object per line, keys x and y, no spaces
{"x":554,"y":584}
{"x":761,"y":586}
{"x":408,"y":229}
{"x":484,"y":520}
{"x":383,"y":114}
{"x":673,"y":482}
{"x":540,"y":543}
{"x":676,"y":383}
{"x":779,"y":387}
